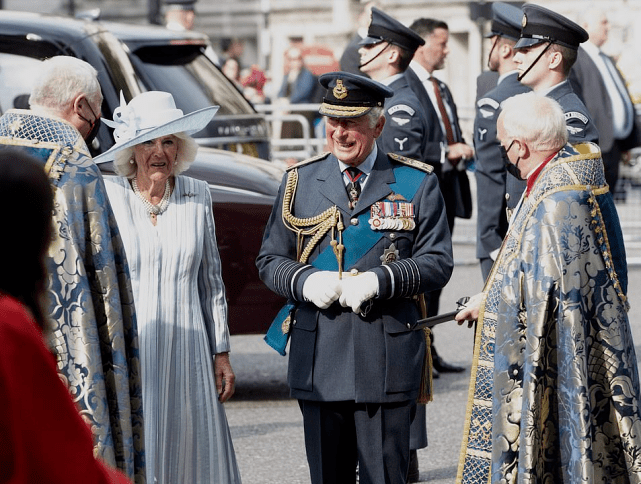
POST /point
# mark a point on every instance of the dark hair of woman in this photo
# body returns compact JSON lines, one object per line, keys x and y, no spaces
{"x":27,"y":202}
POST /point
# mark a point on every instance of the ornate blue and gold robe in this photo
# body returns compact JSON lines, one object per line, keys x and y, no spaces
{"x":554,"y":394}
{"x":88,"y":293}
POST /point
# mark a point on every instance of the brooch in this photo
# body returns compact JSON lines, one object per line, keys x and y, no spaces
{"x":390,"y":254}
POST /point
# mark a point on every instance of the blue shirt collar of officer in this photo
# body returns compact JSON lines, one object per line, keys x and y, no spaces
{"x":366,"y":167}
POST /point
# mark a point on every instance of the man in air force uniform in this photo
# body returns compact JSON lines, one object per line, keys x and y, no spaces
{"x":546,"y":51}
{"x":490,"y":168}
{"x":386,"y":54}
{"x":355,"y":235}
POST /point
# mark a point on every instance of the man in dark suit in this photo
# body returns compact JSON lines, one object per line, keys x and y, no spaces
{"x":445,"y":147}
{"x":545,"y":53}
{"x":596,"y":80}
{"x":490,"y":168}
{"x":353,"y":237}
{"x":448,"y":143}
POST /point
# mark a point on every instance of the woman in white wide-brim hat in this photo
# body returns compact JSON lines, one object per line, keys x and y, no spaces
{"x":167,"y":227}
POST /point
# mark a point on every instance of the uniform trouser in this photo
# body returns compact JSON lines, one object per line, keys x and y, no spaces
{"x":418,"y":429}
{"x":338,"y":435}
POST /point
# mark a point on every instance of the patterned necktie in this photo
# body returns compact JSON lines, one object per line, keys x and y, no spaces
{"x":449,"y":134}
{"x":354,"y":186}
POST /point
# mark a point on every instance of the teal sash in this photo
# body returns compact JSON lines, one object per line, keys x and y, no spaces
{"x":357,"y":239}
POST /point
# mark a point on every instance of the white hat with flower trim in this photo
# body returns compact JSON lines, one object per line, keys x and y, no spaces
{"x":148,"y":116}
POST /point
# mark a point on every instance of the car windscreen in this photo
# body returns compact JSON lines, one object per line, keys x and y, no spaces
{"x":187,"y":73}
{"x":17,"y":76}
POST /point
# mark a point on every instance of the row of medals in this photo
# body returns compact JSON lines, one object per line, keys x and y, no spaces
{"x":392,"y":216}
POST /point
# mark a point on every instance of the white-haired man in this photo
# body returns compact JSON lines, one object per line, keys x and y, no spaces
{"x":555,"y":379}
{"x":88,"y":295}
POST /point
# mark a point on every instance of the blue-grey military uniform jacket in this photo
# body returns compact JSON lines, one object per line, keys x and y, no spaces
{"x":581,"y":128}
{"x":406,"y":130}
{"x":335,"y":354}
{"x":490,"y":168}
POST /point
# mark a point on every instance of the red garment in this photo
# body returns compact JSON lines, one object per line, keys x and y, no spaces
{"x":532,"y":178}
{"x":42,"y":436}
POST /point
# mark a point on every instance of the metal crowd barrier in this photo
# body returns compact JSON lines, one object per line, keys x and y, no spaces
{"x":292,"y":148}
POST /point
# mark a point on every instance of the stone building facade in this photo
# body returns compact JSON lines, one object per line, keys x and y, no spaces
{"x":268,"y":26}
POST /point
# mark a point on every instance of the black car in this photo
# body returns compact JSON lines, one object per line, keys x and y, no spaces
{"x":243,"y":188}
{"x":177,"y":62}
{"x":133,"y":58}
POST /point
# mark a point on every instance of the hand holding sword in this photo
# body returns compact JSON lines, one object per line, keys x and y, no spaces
{"x":467,"y":310}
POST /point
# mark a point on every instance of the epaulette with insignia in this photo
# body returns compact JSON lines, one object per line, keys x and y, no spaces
{"x":322,"y":156}
{"x":419,"y":165}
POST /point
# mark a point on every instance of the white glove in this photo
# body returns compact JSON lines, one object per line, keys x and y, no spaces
{"x":358,"y":289}
{"x":322,"y":288}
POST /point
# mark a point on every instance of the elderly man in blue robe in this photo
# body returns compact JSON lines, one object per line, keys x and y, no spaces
{"x":88,"y":295}
{"x":555,"y":387}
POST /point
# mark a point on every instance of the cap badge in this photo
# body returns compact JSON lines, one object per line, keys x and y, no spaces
{"x":524,"y":21}
{"x":340,"y":91}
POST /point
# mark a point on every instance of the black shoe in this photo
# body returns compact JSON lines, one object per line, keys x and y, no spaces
{"x":435,"y":374}
{"x":444,"y":367}
{"x":413,"y":474}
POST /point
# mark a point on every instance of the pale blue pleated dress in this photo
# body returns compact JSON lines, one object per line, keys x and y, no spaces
{"x":182,"y":321}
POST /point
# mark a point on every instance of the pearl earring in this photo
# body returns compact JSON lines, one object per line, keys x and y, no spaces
{"x":131,"y":160}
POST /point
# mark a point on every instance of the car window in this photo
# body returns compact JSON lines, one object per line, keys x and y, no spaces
{"x":190,"y":76}
{"x":16,"y":78}
{"x":120,"y":70}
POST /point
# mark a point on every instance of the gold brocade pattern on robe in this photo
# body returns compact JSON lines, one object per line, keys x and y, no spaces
{"x":554,"y":394}
{"x":88,"y":292}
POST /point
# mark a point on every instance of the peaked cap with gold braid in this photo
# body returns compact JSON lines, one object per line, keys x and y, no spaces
{"x":350,"y":95}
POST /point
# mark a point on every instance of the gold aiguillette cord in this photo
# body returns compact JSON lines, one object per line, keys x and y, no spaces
{"x":316,"y":227}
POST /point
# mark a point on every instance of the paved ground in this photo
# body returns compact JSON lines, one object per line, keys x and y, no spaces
{"x":267,"y":427}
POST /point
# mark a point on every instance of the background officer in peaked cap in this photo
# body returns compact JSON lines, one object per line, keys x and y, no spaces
{"x":386,"y":53}
{"x":180,"y":14}
{"x":490,"y":168}
{"x":354,"y":236}
{"x":546,"y":51}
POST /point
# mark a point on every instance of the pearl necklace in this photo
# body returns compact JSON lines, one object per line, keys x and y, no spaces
{"x":154,"y":209}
